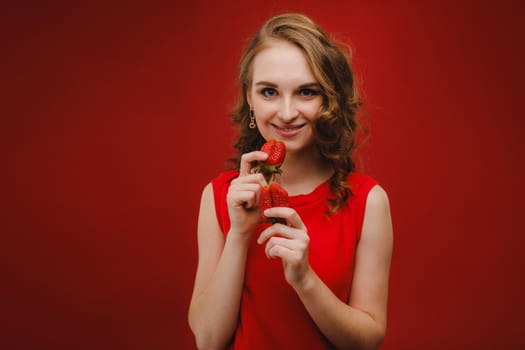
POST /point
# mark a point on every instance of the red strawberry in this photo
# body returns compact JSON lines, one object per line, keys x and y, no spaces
{"x":273,"y":195}
{"x":276,"y":151}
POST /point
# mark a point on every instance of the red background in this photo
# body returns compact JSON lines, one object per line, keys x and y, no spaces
{"x":115,"y":117}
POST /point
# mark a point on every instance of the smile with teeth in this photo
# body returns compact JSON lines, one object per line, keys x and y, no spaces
{"x":289,"y":128}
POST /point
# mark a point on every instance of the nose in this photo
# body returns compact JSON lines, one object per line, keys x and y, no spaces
{"x":287,"y":110}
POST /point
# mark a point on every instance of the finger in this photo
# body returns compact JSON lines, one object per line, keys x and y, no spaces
{"x":282,"y":230}
{"x":244,"y":194}
{"x":241,"y":186}
{"x":278,"y":251}
{"x":289,"y":214}
{"x":278,"y":241}
{"x":257,"y":179}
{"x":247,"y":159}
{"x":244,"y":190}
{"x":245,"y":199}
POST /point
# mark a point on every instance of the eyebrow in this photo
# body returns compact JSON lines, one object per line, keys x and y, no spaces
{"x":303,"y":86}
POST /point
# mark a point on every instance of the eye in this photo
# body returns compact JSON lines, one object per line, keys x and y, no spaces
{"x":308,"y":92}
{"x":268,"y":92}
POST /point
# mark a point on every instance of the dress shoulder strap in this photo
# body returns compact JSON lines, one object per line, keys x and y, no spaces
{"x":220,"y":185}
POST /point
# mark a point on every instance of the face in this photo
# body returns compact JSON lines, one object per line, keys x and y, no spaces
{"x":285,"y":96}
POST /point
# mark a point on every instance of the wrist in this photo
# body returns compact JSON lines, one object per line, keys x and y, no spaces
{"x":238,"y":237}
{"x":307,"y":283}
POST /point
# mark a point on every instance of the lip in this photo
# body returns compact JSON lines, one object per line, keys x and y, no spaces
{"x":288,"y":130}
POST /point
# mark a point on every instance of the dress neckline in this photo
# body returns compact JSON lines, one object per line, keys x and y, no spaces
{"x":320,"y":192}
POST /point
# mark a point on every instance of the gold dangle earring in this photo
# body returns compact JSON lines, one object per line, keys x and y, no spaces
{"x":252,"y":124}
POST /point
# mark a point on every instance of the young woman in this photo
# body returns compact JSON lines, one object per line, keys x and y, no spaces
{"x":320,"y":281}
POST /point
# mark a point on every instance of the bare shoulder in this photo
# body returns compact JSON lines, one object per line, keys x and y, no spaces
{"x":207,"y":194}
{"x":207,"y":217}
{"x":377,"y":220}
{"x":377,"y":199}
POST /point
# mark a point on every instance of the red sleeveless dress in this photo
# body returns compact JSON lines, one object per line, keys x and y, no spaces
{"x":271,"y":314}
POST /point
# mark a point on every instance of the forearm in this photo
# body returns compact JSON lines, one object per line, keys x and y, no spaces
{"x":346,"y":327}
{"x":214,"y":313}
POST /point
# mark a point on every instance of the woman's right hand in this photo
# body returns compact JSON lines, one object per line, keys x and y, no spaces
{"x":243,"y":195}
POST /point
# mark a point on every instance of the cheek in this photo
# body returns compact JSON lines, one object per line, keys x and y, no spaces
{"x":262,"y":108}
{"x":314,"y":110}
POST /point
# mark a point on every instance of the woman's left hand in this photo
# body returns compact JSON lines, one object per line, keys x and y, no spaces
{"x":288,"y":242}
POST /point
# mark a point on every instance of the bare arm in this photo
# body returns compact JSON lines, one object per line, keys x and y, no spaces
{"x":214,"y":307}
{"x":361,"y":323}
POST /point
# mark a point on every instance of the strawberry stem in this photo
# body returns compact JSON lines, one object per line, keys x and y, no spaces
{"x":277,"y":221}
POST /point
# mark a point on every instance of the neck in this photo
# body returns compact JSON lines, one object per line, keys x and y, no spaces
{"x":303,"y":172}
